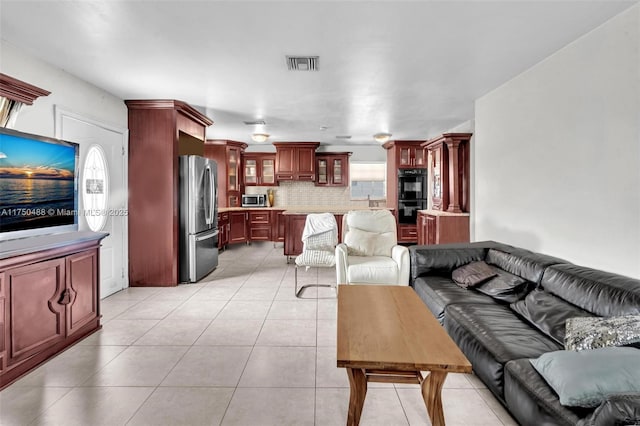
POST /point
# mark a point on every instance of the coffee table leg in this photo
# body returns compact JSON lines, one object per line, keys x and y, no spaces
{"x":432,"y":395}
{"x":358,"y":384}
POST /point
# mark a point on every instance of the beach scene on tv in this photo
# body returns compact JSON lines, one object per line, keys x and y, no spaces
{"x":36,"y":183}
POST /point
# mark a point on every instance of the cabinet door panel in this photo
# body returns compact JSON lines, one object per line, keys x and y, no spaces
{"x":250,"y":172}
{"x":82,"y":283}
{"x":306,"y":162}
{"x":268,"y":175}
{"x":432,"y":229}
{"x":238,"y":227}
{"x":36,"y":319}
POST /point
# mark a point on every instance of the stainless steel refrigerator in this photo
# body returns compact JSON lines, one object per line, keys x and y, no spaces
{"x":198,"y":217}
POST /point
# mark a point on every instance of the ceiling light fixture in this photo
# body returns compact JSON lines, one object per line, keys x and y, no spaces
{"x":381,"y":137}
{"x":259,"y":137}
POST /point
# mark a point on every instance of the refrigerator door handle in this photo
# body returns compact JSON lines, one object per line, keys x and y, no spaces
{"x":207,"y":236}
{"x":212,"y":195}
{"x":207,"y":201}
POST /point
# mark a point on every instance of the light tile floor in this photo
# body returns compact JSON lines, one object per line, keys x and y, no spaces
{"x":236,"y":349}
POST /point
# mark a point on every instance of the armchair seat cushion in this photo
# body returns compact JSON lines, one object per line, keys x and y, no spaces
{"x":372,"y":270}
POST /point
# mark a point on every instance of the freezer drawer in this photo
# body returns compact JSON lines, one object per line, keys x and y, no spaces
{"x":202,"y":256}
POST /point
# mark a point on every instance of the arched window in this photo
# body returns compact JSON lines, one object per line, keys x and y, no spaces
{"x":95,"y":189}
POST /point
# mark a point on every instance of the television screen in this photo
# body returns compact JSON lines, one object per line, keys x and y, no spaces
{"x":38,"y":185}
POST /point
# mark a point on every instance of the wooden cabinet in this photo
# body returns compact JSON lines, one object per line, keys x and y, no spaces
{"x":228,"y":156}
{"x":294,"y":225}
{"x":49,"y":299}
{"x":437,"y":227}
{"x":223,"y":230}
{"x":332,"y":169}
{"x":157,"y":129}
{"x":238,"y":226}
{"x":259,"y":169}
{"x":405,"y":154}
{"x":449,"y":171}
{"x":407,"y":233}
{"x":277,"y":226}
{"x":296,"y":161}
{"x":260,"y":225}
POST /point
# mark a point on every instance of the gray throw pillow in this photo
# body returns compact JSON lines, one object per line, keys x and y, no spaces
{"x":587,"y":378}
{"x":504,"y":286}
{"x":472,"y":274}
{"x":591,"y":333}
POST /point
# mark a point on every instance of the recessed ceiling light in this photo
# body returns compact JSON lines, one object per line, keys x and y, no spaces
{"x":343,"y":137}
{"x":323,"y":128}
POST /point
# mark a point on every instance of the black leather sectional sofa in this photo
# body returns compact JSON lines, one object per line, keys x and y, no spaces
{"x":499,"y":342}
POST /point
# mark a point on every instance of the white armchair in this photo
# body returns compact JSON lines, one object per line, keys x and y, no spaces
{"x":369,"y":252}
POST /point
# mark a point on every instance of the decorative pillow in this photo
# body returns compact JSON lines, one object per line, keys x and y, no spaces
{"x":587,"y":378}
{"x":472,"y":274}
{"x":548,"y":313}
{"x":365,"y":243}
{"x":505,"y":286}
{"x":591,"y":333}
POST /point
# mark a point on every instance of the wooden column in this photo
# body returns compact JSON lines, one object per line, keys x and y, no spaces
{"x":454,"y":176}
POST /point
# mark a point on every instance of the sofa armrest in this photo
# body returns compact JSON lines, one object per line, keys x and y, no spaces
{"x":618,"y":410}
{"x":400,"y":254}
{"x":341,"y":264}
{"x":443,"y":258}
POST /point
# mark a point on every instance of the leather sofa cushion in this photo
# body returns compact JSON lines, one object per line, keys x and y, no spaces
{"x":521,"y":262}
{"x":505,"y":286}
{"x":601,"y":293}
{"x":531,"y":400}
{"x":472,"y":274}
{"x":438,"y":292}
{"x":372,"y":270}
{"x":490,"y":335}
{"x":441,"y":259}
{"x":548,"y":313}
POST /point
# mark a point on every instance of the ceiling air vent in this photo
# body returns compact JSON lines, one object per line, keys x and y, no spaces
{"x":302,"y":63}
{"x":255,"y":123}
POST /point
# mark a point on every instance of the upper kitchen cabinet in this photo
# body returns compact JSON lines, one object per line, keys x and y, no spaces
{"x":227,"y":154}
{"x":296,"y":160}
{"x":259,"y":169}
{"x":159,"y":130}
{"x":332,"y":169}
{"x":449,"y":171}
{"x":407,"y":154}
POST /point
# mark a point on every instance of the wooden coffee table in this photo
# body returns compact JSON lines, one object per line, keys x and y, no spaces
{"x":387,"y":334}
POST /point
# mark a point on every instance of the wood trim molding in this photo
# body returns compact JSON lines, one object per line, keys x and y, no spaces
{"x":18,"y":90}
{"x":179,"y":106}
{"x":447,"y":137}
{"x":224,"y":142}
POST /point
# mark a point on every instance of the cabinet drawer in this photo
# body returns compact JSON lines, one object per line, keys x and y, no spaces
{"x":260,"y":234}
{"x":223,"y":217}
{"x":407,"y":233}
{"x":259,"y":217}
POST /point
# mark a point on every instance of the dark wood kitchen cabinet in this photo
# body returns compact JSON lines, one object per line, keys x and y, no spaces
{"x":259,"y":169}
{"x":228,"y":156}
{"x":259,"y":225}
{"x":158,"y":131}
{"x":223,"y":230}
{"x":332,"y":169}
{"x":407,"y":154}
{"x":449,"y":172}
{"x":295,"y":161}
{"x":238,"y":221}
{"x":437,"y":227}
{"x":277,"y":226}
{"x":49,"y":299}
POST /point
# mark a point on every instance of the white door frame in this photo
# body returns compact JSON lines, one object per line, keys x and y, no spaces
{"x":60,"y":113}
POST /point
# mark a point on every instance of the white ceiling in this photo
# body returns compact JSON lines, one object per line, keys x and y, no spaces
{"x":412,"y":69}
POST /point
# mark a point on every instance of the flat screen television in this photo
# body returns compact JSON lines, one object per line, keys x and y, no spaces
{"x":38,"y":185}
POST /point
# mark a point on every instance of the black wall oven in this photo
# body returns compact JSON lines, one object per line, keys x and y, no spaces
{"x":412,"y":194}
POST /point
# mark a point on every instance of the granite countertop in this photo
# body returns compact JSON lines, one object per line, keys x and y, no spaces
{"x":302,"y":209}
{"x":11,"y":248}
{"x":441,"y":213}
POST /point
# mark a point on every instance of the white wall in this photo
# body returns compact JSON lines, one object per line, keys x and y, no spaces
{"x":66,"y":90}
{"x":557,"y":153}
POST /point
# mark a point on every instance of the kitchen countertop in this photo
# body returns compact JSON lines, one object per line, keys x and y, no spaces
{"x":291,"y":210}
{"x":441,"y":213}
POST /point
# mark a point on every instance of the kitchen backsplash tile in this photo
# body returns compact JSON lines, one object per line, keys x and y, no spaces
{"x":289,"y":194}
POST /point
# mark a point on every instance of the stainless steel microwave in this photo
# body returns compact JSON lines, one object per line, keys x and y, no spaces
{"x":254,"y":200}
